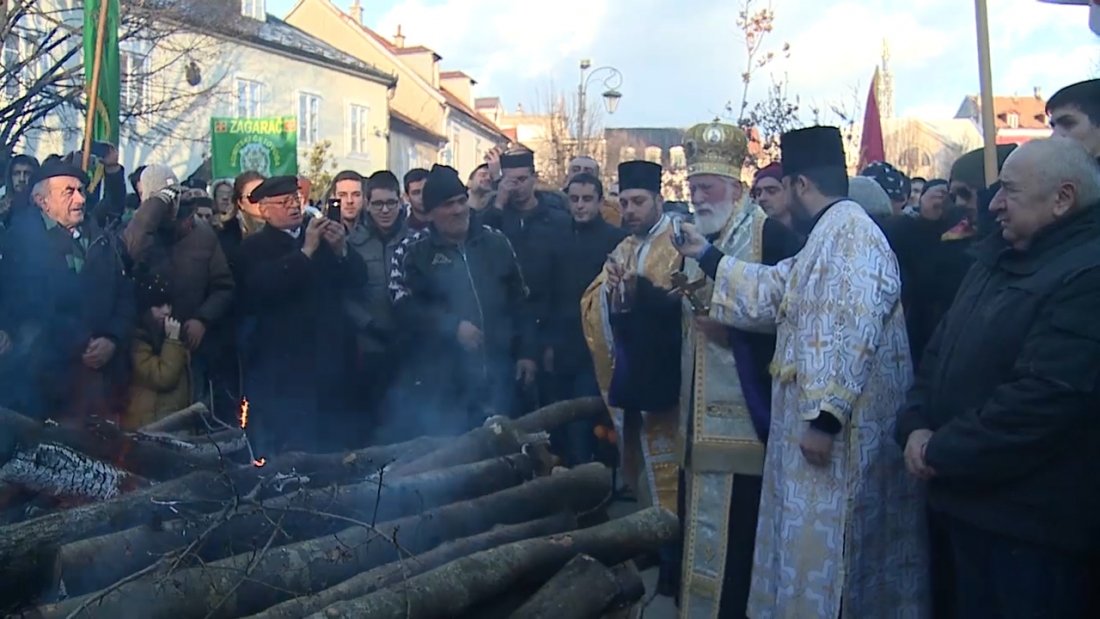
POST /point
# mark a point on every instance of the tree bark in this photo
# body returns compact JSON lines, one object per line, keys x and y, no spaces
{"x":449,"y":590}
{"x":183,"y":420}
{"x":580,"y":590}
{"x":561,"y":413}
{"x":385,"y":575}
{"x":91,"y":564}
{"x":251,"y":582}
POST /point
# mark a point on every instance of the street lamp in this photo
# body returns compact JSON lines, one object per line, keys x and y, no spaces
{"x":612,"y":81}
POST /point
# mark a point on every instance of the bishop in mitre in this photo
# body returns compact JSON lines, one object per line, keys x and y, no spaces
{"x":841,"y":530}
{"x":726,"y":389}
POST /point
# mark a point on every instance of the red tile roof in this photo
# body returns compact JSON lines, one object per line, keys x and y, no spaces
{"x":1031,"y":111}
{"x":450,"y":75}
{"x":398,"y":116}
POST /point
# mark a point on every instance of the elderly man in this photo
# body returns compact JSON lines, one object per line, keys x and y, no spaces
{"x":1002,"y":419}
{"x":460,"y":292}
{"x":725,"y":377}
{"x":66,"y":310}
{"x":295,"y":277}
{"x":840,"y":523}
{"x":1075,"y":113}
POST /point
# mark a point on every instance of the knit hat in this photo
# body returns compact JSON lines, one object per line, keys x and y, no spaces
{"x":970,"y":168}
{"x":156,"y":177}
{"x":932,"y":184}
{"x":772,"y":170}
{"x":896,"y":184}
{"x":443,"y":184}
{"x":870,"y":195}
{"x":151,"y":290}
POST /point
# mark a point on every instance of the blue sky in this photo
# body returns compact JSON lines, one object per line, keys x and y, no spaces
{"x":682,"y":60}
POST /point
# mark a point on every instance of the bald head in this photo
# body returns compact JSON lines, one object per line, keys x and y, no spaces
{"x":582,"y":165}
{"x":1042,"y":183}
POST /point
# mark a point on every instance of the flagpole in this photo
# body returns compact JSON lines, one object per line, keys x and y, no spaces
{"x":985,"y":79}
{"x":93,"y":92}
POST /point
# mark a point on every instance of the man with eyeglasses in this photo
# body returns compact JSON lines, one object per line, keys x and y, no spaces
{"x":374,"y":235}
{"x":296,"y":276}
{"x":67,"y":309}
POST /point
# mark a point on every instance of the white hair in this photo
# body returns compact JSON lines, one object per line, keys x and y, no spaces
{"x":1058,"y":160}
{"x":41,"y":188}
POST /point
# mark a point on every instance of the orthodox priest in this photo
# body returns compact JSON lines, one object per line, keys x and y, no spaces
{"x":840,"y":531}
{"x":726,"y":389}
{"x":632,"y":327}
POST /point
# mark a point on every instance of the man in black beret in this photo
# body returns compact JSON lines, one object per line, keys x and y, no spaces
{"x":66,"y":306}
{"x":461,"y":298}
{"x":294,"y":278}
{"x":832,"y":479}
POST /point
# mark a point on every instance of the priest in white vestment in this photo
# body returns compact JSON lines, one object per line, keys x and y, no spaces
{"x":841,"y":528}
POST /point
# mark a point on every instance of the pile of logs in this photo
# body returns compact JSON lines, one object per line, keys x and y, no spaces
{"x":180,"y":520}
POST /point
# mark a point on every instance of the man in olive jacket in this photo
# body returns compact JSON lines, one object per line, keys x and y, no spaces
{"x":1002,"y":420}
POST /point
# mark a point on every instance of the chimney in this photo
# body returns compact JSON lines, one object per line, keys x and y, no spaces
{"x":357,"y":12}
{"x":399,"y":39}
{"x":1038,"y":92}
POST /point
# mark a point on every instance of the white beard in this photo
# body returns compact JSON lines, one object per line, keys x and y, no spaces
{"x":713,"y":221}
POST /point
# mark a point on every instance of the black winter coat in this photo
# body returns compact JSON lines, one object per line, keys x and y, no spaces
{"x":51,"y":312}
{"x":1009,"y":384}
{"x":582,"y":258}
{"x":538,"y":238}
{"x":438,"y":285}
{"x":297,"y":340}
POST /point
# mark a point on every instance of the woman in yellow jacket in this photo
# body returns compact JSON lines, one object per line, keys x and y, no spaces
{"x":161,"y":382}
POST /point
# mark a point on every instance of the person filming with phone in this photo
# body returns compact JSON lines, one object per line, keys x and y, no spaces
{"x":295,"y":275}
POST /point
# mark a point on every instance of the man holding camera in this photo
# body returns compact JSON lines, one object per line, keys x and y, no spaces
{"x":295,"y":276}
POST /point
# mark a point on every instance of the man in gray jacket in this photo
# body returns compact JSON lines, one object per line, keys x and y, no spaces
{"x":378,"y":229}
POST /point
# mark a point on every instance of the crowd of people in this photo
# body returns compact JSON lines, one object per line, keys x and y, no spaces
{"x":865,"y":396}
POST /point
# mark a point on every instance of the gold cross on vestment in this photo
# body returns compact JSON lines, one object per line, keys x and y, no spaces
{"x":690,"y":290}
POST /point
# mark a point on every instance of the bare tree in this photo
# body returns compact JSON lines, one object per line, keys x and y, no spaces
{"x":554,"y":123}
{"x":42,"y":76}
{"x":770,"y":118}
{"x":846,"y":112}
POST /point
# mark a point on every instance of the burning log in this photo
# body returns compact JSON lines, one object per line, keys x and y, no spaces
{"x":582,"y":589}
{"x":83,"y":568}
{"x":390,"y":573}
{"x":60,"y":471}
{"x":251,"y":582}
{"x":453,"y":588}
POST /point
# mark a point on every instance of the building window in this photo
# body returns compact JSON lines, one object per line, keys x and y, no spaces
{"x":134,"y":74}
{"x":10,"y":57}
{"x":676,"y":158}
{"x":250,"y":95}
{"x":253,"y":9}
{"x":359,"y":130}
{"x":1013,"y":120}
{"x":309,"y":118}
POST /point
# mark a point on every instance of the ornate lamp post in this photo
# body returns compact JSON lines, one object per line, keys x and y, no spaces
{"x":613,"y":79}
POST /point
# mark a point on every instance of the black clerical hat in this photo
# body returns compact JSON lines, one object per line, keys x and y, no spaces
{"x":274,"y":186}
{"x":812,"y":147}
{"x":443,"y":184}
{"x":519,"y":159}
{"x":53,"y":169}
{"x":640,"y":175}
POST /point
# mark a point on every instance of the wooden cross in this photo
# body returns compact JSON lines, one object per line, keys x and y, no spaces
{"x":680,"y":284}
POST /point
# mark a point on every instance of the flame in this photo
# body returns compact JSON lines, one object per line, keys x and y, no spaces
{"x":259,"y":462}
{"x":244,"y":414}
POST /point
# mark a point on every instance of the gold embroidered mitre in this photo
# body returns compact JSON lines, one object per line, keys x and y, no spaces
{"x":715,"y":148}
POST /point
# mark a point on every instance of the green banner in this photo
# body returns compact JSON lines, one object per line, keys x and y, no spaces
{"x":266,"y":145}
{"x":105,"y":123}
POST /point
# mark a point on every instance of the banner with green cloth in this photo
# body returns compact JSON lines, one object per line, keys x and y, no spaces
{"x":107,"y":92}
{"x":267,"y":145}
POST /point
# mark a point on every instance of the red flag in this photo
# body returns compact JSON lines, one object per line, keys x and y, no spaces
{"x":870,"y":145}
